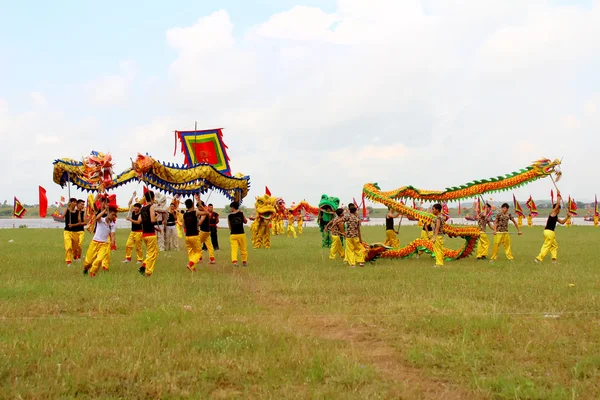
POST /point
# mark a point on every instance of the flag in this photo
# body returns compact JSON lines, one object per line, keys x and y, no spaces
{"x":552,"y":196}
{"x":62,"y":199}
{"x":459,"y":207}
{"x":596,"y":206}
{"x":18,"y":210}
{"x":43,"y":202}
{"x":267,"y":191}
{"x":446,"y":211}
{"x":518,"y":209}
{"x":532,"y":208}
{"x":204,"y":146}
{"x":572,"y":206}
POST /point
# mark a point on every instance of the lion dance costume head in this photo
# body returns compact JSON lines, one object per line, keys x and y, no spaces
{"x":265,"y":207}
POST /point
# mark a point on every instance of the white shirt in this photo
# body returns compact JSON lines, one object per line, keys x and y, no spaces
{"x":103,"y":230}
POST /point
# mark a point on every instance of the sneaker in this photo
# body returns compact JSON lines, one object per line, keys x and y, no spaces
{"x":212,"y":260}
{"x":536,"y":260}
{"x":361,"y":265}
{"x":554,"y":261}
{"x":191,"y":267}
{"x":139,"y":262}
{"x":142,"y":270}
{"x":235,"y":264}
{"x":68,"y":263}
{"x":244,"y":264}
{"x":126,"y":261}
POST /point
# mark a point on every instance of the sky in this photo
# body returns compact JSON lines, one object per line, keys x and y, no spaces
{"x":314,"y":96}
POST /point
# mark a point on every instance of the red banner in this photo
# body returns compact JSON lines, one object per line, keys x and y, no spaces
{"x":18,"y":210}
{"x":43,"y":202}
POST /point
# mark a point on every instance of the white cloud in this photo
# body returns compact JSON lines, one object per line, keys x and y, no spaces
{"x":112,"y":90}
{"x":38,"y":99}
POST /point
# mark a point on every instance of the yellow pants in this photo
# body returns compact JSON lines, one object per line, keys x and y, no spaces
{"x":205,"y":239}
{"x":238,"y":242}
{"x":96,"y":256}
{"x":300,"y":227}
{"x":425,"y":235}
{"x":134,"y":240}
{"x":79,"y":251}
{"x":438,"y":250}
{"x":151,"y":253}
{"x":391,"y":239}
{"x":355,"y":252}
{"x":337,"y":249}
{"x":71,"y":243}
{"x":484,"y":245}
{"x":291,"y":230}
{"x":502,"y":238}
{"x":194,"y":249}
{"x":549,"y":245}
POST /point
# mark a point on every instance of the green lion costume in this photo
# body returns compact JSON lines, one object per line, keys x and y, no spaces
{"x":327,"y":207}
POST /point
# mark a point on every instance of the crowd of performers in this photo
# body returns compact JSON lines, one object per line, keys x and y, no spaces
{"x":198,"y":223}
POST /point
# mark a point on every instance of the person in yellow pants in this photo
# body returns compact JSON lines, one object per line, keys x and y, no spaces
{"x":135,"y":236}
{"x":391,"y":238}
{"x":71,"y":238}
{"x":237,"y":237}
{"x":438,"y":235}
{"x":484,"y":221}
{"x":355,"y":252}
{"x":147,"y":219}
{"x":205,"y":230}
{"x":300,"y":223}
{"x":192,"y":238}
{"x":79,"y":228}
{"x":501,"y":235}
{"x":529,"y":220}
{"x":550,"y":245}
{"x":291,"y":231}
{"x":426,"y":233}
{"x":99,"y":248}
{"x":336,"y":227}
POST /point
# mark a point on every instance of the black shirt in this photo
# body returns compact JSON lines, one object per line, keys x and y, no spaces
{"x":80,"y":219}
{"x":147,"y":224}
{"x":205,"y":225}
{"x":135,"y":227}
{"x":171,"y":220}
{"x":190,"y":221}
{"x":71,"y":218}
{"x":551,"y":223}
{"x":389,"y":224}
{"x":213,"y":218}
{"x":236,"y":221}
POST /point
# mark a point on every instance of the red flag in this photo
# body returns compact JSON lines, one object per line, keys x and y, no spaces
{"x":552,"y":196}
{"x":18,"y":210}
{"x":267,"y":191}
{"x":459,"y":207}
{"x":446,"y":211}
{"x":518,"y":209}
{"x":364,"y":204}
{"x":532,"y":207}
{"x":572,"y":206}
{"x":62,"y":199}
{"x":596,"y":206}
{"x":43,"y":202}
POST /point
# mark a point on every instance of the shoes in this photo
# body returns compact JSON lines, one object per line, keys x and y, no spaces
{"x":554,"y":261}
{"x":244,"y":264}
{"x":142,"y":270}
{"x":68,"y":263}
{"x":361,"y":265}
{"x":212,"y":260}
{"x":191,"y":267}
{"x":536,"y":260}
{"x":235,"y":264}
{"x":126,"y":261}
{"x":139,"y":262}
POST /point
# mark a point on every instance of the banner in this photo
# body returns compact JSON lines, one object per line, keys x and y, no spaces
{"x":18,"y":210}
{"x":518,"y":209}
{"x":532,"y":208}
{"x":205,"y":147}
{"x":596,"y":206}
{"x":43,"y":202}
{"x":572,"y":206}
{"x":267,"y":191}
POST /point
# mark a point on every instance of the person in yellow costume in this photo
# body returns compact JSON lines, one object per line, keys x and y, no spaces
{"x":192,"y":235}
{"x":595,"y":220}
{"x":290,"y":228}
{"x":550,"y":245}
{"x":71,"y":238}
{"x":520,"y":220}
{"x":484,"y":243}
{"x":147,"y":219}
{"x":79,"y":228}
{"x":336,"y":227}
{"x":99,"y":249}
{"x":355,"y":252}
{"x":237,"y":237}
{"x":438,"y":235}
{"x":205,"y":230}
{"x":135,"y":236}
{"x":391,"y":238}
{"x":501,"y":235}
{"x":529,"y":221}
{"x":300,"y":223}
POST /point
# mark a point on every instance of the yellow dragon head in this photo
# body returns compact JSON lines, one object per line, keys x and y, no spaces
{"x":546,"y":166}
{"x":98,"y":169}
{"x":265,"y":206}
{"x":142,"y":164}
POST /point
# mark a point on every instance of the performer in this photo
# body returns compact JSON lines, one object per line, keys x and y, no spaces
{"x":438,"y":235}
{"x":391,"y":238}
{"x":171,"y":240}
{"x":501,"y":236}
{"x":550,"y":244}
{"x":336,"y":227}
{"x":290,"y":228}
{"x":529,"y":220}
{"x":205,"y":230}
{"x":99,"y":249}
{"x":426,"y":233}
{"x":237,"y":237}
{"x":355,"y":252}
{"x":79,"y":229}
{"x":520,"y":220}
{"x":595,"y":220}
{"x":300,"y":223}
{"x":192,"y":238}
{"x":148,"y":219}
{"x":71,"y":238}
{"x":484,"y":221}
{"x":569,"y":221}
{"x":214,"y":223}
{"x":135,"y":237}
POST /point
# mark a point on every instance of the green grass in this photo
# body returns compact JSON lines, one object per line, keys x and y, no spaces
{"x":296,"y":325}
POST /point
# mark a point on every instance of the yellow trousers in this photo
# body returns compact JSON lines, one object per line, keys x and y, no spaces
{"x":502,"y":238}
{"x":79,"y":251}
{"x":96,"y":256}
{"x":205,"y":239}
{"x":71,"y":243}
{"x":134,"y":240}
{"x":337,"y":249}
{"x":238,"y":242}
{"x":151,"y":243}
{"x":290,"y":229}
{"x":438,"y":250}
{"x":425,"y":235}
{"x":549,"y":245}
{"x":300,"y":226}
{"x":355,"y":252}
{"x":484,"y":245}
{"x":391,"y":239}
{"x":194,"y":249}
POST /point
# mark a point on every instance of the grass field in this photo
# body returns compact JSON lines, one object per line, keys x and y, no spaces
{"x":296,"y":325}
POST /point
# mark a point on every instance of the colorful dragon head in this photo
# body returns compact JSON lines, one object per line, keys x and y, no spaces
{"x":546,"y":166}
{"x":281,"y":205}
{"x":265,"y":207}
{"x":98,"y":169}
{"x":142,"y":164}
{"x":329,"y":203}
